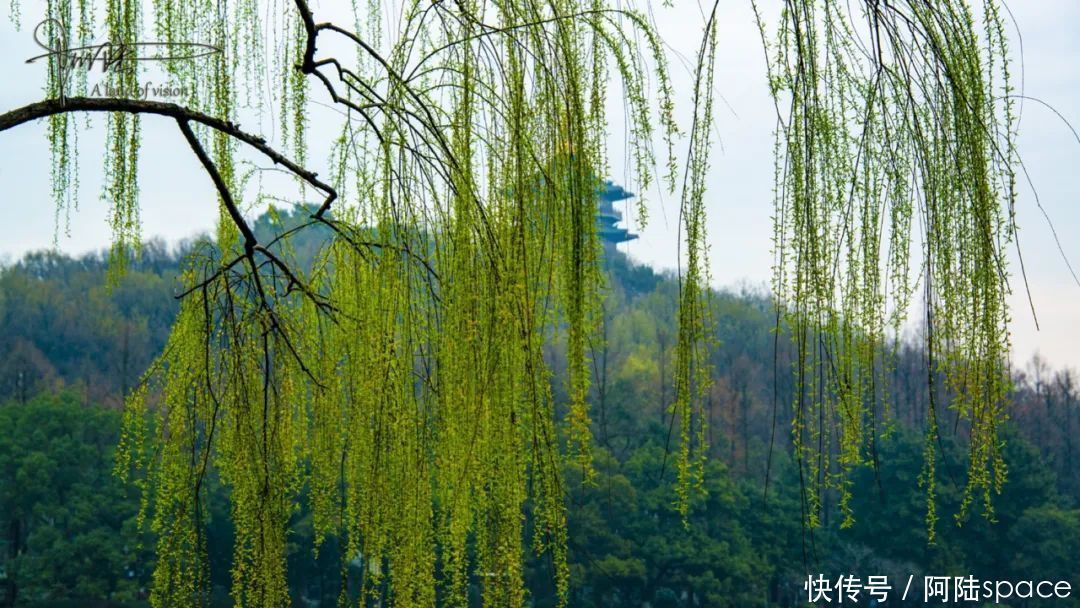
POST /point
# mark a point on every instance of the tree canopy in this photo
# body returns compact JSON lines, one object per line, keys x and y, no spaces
{"x":400,"y":381}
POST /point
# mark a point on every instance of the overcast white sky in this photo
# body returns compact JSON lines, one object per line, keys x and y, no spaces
{"x":178,"y":199}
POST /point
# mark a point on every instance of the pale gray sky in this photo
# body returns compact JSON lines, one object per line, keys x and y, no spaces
{"x":178,"y":200}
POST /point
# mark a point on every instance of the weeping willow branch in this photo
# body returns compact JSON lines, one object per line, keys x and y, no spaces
{"x":408,"y":360}
{"x":52,"y":107}
{"x":894,"y":123}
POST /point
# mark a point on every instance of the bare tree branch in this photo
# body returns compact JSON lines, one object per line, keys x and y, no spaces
{"x":50,"y":107}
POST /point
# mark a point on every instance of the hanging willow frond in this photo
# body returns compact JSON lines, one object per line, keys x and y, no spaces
{"x":895,"y":141}
{"x":400,"y":382}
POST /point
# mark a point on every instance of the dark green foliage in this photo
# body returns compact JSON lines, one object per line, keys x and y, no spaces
{"x":629,"y":546}
{"x":68,"y":525}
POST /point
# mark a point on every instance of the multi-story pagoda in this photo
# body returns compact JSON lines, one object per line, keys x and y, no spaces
{"x":607,"y":216}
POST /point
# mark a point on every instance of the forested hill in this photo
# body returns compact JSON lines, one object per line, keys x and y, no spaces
{"x":71,"y":345}
{"x":64,"y":326}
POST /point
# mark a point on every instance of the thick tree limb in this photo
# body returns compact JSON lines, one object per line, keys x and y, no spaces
{"x":51,"y":107}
